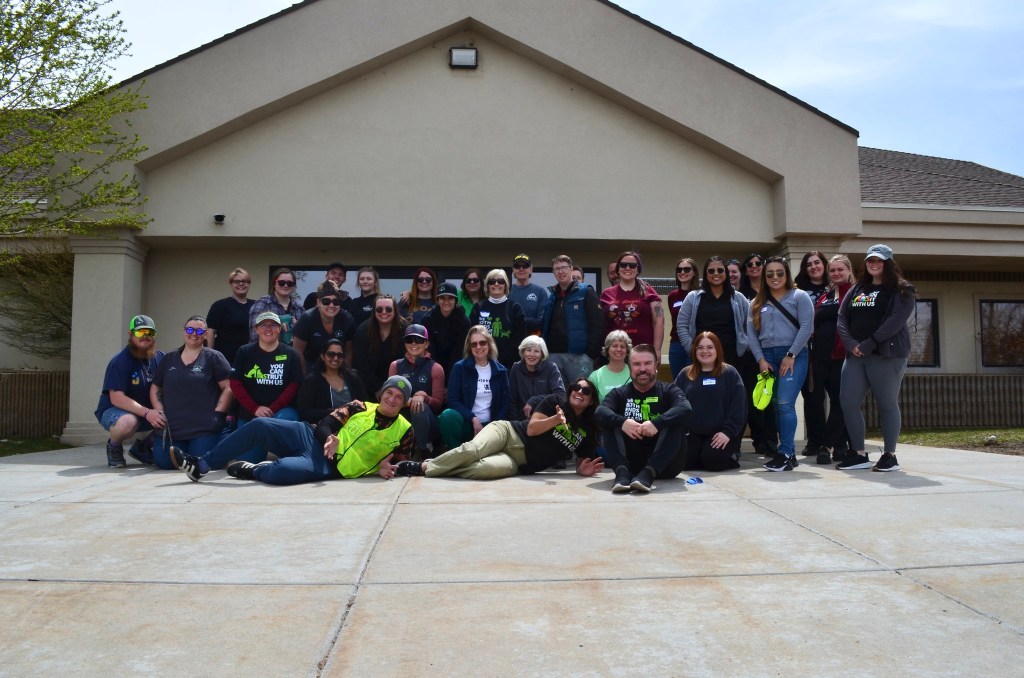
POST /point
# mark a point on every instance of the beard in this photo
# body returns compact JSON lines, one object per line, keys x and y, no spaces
{"x":142,"y":352}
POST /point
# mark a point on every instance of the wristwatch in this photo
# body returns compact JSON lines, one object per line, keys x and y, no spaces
{"x":790,"y":355}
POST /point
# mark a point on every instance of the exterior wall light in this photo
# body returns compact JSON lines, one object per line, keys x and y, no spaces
{"x":462,"y":57}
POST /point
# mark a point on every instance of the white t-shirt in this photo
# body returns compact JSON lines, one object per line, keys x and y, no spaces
{"x":482,"y":404}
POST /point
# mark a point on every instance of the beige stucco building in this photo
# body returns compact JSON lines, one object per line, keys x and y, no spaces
{"x":337,"y":128}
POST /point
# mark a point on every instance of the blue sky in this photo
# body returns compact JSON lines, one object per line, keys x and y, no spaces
{"x":936,"y":77}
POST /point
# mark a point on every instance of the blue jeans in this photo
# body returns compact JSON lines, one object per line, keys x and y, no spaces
{"x":678,"y":358}
{"x":256,"y":454}
{"x":194,"y":446}
{"x":300,"y":457}
{"x":787,"y":389}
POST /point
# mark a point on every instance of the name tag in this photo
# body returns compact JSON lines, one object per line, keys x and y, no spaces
{"x":710,"y":381}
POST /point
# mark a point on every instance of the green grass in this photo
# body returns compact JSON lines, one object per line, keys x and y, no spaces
{"x":9,"y":446}
{"x":958,"y":437}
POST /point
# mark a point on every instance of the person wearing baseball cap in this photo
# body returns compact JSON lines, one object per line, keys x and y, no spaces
{"x":447,"y":325}
{"x":266,"y":374}
{"x":872,"y":325}
{"x":355,"y":440}
{"x":426,"y":379}
{"x":531,"y":296}
{"x":124,"y":407}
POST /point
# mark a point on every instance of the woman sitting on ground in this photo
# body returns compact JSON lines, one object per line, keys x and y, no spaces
{"x":470,"y":406}
{"x":378,"y":343}
{"x":617,"y":346}
{"x":533,"y":377}
{"x":506,"y":448}
{"x":329,"y":385}
{"x":427,"y":382}
{"x":715,"y":390}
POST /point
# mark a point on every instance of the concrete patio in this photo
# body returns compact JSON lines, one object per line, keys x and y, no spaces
{"x":109,"y":572}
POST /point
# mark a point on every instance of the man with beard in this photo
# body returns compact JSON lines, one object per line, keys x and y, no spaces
{"x":645,"y":426}
{"x":125,"y":407}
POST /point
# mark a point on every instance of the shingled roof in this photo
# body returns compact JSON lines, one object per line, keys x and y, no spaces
{"x":893,"y":177}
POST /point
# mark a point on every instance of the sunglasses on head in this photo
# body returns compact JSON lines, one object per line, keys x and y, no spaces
{"x":684,"y":269}
{"x":716,"y":271}
{"x":330,"y":301}
{"x":198,"y":331}
{"x":334,"y":355}
{"x":384,"y":309}
{"x":415,"y":340}
{"x":582,"y":388}
{"x":144,"y":334}
{"x":424,"y":279}
{"x":286,"y":283}
{"x":754,"y":264}
{"x":628,"y":264}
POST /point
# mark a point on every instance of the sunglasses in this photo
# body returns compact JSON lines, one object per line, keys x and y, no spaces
{"x":424,"y":280}
{"x":240,"y":282}
{"x":775,"y":274}
{"x":144,"y":334}
{"x":716,"y":271}
{"x":628,"y":264}
{"x":478,"y":344}
{"x":582,"y":388}
{"x":684,"y":269}
{"x":495,"y":281}
{"x":334,"y":355}
{"x":415,"y":340}
{"x":285,"y":283}
{"x":472,"y":281}
{"x":330,"y":301}
{"x":520,"y":267}
{"x":754,"y":264}
{"x":384,"y":309}
{"x":198,"y":331}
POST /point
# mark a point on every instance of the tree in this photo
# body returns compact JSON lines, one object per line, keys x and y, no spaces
{"x":66,"y":148}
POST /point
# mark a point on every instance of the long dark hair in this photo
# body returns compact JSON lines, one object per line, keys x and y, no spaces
{"x":479,"y":274}
{"x":396,"y":338}
{"x":746,"y":289}
{"x":588,"y":418}
{"x":727,"y":287}
{"x":762,"y":294}
{"x":803,"y":281}
{"x":695,"y":281}
{"x":892,"y":278}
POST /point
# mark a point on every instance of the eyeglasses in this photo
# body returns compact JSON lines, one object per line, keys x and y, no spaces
{"x":495,"y":281}
{"x":716,"y":271}
{"x":775,"y":274}
{"x":269,"y":325}
{"x":563,"y":267}
{"x":478,"y":344}
{"x":144,"y":334}
{"x":330,"y":301}
{"x":472,"y":281}
{"x":334,"y":355}
{"x":198,"y":331}
{"x":424,"y":279}
{"x":684,"y":269}
{"x":628,"y":264}
{"x":520,"y":267}
{"x":754,"y":264}
{"x":285,"y":283}
{"x":582,"y":388}
{"x":240,"y":282}
{"x":384,"y":309}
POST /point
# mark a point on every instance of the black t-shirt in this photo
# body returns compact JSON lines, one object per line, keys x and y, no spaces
{"x":310,"y":329}
{"x":190,"y":392}
{"x":230,"y":319}
{"x":868,"y":308}
{"x":826,"y":317}
{"x":265,"y":375}
{"x":579,"y":437}
{"x":716,"y":315}
{"x":361,"y":308}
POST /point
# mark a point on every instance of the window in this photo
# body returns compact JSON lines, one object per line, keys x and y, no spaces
{"x":1002,"y":333}
{"x":924,"y":334}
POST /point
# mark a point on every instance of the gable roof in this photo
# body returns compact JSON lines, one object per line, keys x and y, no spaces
{"x":893,"y":177}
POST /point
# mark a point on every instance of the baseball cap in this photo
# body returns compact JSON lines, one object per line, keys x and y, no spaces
{"x":521,"y":257}
{"x":881,"y":251}
{"x":401,"y":383}
{"x":141,"y":322}
{"x":447,"y":289}
{"x":416,"y":331}
{"x":267,"y":315}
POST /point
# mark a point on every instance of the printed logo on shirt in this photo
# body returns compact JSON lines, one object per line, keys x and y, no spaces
{"x":639,"y":409}
{"x":864,"y":299}
{"x":571,"y":437}
{"x":532,"y":296}
{"x":136,"y":379}
{"x":496,"y":327}
{"x":274,"y":378}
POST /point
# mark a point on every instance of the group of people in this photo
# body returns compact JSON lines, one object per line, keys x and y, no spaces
{"x":419,"y":386}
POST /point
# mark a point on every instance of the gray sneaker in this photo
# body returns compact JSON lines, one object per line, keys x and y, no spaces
{"x":115,"y":455}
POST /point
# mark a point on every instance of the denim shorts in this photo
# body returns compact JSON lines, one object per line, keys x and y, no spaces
{"x":112,"y":414}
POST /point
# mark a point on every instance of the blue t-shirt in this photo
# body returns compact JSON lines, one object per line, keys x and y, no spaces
{"x":129,"y":374}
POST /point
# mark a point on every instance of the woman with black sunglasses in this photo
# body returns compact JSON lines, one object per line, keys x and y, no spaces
{"x":416,"y":304}
{"x":282,"y":300}
{"x":559,"y":424}
{"x":326,"y":320}
{"x":502,"y":317}
{"x":191,"y":387}
{"x":633,"y":306}
{"x":687,"y":280}
{"x":329,"y":385}
{"x":426,"y":379}
{"x":378,"y":343}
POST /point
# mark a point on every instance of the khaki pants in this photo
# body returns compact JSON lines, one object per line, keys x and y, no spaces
{"x":496,"y":452}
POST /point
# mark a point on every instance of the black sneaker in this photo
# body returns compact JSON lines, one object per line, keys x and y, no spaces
{"x":622,"y":480}
{"x":409,"y":468}
{"x":824,"y":457}
{"x":176,"y":455}
{"x":886,"y":463}
{"x":811,"y":450}
{"x":644,"y":481}
{"x":854,"y":462}
{"x":840,"y":454}
{"x":140,"y":452}
{"x":780,"y":462}
{"x":190,"y":466}
{"x":244,"y":470}
{"x":115,"y":455}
